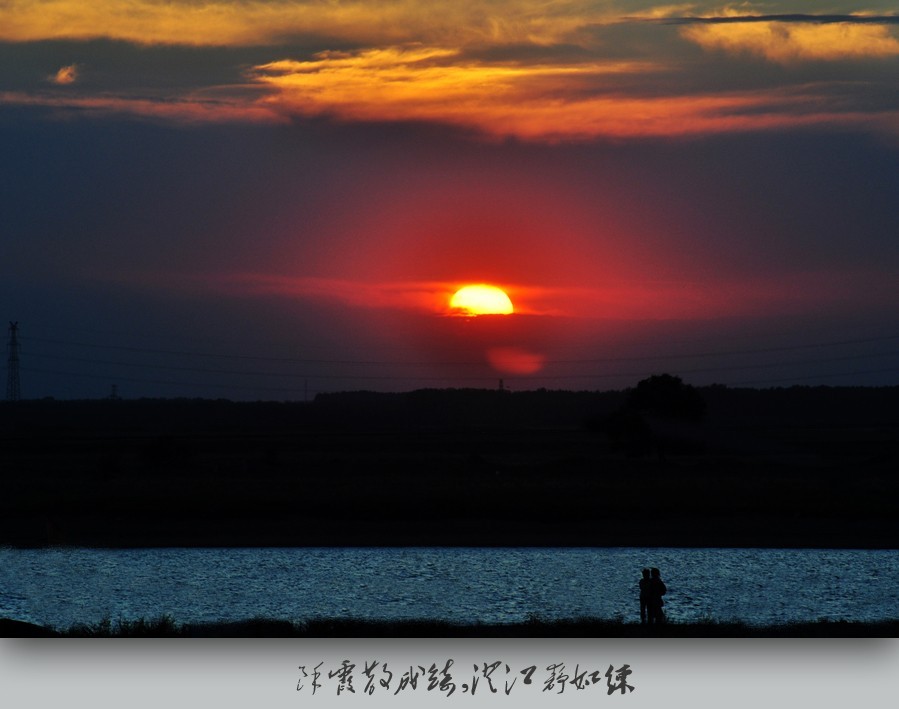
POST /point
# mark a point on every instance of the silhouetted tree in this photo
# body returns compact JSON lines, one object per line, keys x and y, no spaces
{"x":651,"y":415}
{"x":666,"y":396}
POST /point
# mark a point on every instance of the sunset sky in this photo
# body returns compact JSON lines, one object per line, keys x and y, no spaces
{"x":270,"y":199}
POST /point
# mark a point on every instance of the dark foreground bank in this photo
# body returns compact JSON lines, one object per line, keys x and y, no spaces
{"x":800,"y":468}
{"x":165,"y":627}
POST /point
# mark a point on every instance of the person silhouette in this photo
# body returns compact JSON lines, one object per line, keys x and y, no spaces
{"x":654,"y":602}
{"x":644,"y":584}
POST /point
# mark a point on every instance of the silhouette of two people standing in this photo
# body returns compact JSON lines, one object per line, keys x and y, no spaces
{"x":652,"y":588}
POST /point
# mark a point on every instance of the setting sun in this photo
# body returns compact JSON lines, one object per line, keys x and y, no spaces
{"x":481,"y":299}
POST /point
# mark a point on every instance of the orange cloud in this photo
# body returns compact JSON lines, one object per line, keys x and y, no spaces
{"x":425,"y":62}
{"x":662,"y":12}
{"x":255,"y":22}
{"x":786,"y":43}
{"x":437,"y":84}
{"x":412,"y":77}
{"x":541,"y":104}
{"x":552,"y":102}
{"x":66,"y":75}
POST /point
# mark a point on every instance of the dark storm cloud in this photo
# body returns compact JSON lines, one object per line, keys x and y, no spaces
{"x":805,"y":19}
{"x":108,"y":65}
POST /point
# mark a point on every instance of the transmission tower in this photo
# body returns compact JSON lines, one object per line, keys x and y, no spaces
{"x":12,"y":366}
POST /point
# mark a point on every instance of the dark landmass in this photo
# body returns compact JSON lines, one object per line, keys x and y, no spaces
{"x":165,"y":627}
{"x":795,"y":467}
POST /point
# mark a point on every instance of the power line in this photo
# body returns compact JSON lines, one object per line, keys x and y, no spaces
{"x":140,"y":380}
{"x":244,"y":387}
{"x":536,"y":377}
{"x":698,"y":370}
{"x":256,"y":373}
{"x":813,"y":376}
{"x":554,"y":370}
{"x":599,"y":360}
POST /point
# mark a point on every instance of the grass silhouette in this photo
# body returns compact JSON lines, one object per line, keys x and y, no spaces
{"x":165,"y":626}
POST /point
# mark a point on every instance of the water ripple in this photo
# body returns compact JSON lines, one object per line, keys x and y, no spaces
{"x":62,"y":587}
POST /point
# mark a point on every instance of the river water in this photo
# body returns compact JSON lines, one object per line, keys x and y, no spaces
{"x":61,"y":587}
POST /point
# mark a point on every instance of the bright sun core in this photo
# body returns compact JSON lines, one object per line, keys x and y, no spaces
{"x":481,"y":299}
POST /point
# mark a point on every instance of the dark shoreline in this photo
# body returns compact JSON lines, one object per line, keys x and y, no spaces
{"x":366,"y":539}
{"x":796,"y":468}
{"x":793,"y":468}
{"x":165,"y":627}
